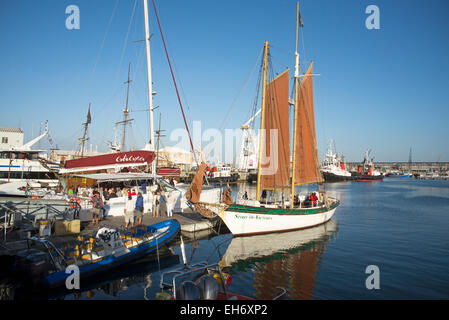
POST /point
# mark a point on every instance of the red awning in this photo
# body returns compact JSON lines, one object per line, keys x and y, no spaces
{"x":111,"y":160}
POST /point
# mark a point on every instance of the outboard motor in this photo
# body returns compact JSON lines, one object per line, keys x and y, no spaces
{"x":107,"y":234}
{"x":208,"y":287}
{"x":187,"y":290}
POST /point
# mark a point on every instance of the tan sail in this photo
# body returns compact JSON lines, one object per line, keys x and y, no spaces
{"x":194,"y":192}
{"x":275,"y":162}
{"x":307,"y":168}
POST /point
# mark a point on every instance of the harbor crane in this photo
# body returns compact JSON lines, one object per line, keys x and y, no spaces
{"x":249,"y":146}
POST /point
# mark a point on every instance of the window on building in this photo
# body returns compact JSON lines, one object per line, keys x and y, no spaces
{"x":4,"y":139}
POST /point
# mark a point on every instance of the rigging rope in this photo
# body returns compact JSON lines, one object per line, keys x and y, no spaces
{"x":239,"y":95}
{"x":174,"y":82}
{"x":102,"y":44}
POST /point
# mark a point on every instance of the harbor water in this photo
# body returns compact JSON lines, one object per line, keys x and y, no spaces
{"x":388,"y":240}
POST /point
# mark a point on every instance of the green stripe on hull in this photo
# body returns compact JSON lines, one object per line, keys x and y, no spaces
{"x":263,"y":210}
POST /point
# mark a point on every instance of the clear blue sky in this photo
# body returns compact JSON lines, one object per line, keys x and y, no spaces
{"x":385,"y":89}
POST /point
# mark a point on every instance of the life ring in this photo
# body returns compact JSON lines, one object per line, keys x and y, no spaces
{"x":74,"y":202}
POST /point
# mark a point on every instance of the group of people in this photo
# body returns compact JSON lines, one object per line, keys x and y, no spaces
{"x":133,"y":210}
{"x":105,"y":193}
{"x":161,"y":203}
{"x":310,"y":201}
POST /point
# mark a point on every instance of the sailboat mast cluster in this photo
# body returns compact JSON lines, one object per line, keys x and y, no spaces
{"x":274,"y":155}
{"x":265,"y":214}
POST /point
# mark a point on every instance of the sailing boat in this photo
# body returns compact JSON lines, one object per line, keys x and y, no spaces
{"x":277,"y":215}
{"x":137,"y":158}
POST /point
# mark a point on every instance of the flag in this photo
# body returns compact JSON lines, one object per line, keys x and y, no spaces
{"x":300,"y":18}
{"x":88,"y":116}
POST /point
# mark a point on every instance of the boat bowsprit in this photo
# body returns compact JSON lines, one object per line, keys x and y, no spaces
{"x":110,"y":248}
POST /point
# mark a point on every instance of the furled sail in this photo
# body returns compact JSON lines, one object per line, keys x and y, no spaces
{"x":194,"y":192}
{"x":307,"y":168}
{"x":275,"y":161}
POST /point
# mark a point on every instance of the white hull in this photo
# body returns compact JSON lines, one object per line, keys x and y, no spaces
{"x":16,"y":188}
{"x":246,"y":223}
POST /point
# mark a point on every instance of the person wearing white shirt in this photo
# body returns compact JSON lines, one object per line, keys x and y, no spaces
{"x":169,"y":208}
{"x":149,"y":196}
{"x":130,"y":205}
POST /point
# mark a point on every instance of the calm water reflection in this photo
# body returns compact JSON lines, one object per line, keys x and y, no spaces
{"x":400,"y":225}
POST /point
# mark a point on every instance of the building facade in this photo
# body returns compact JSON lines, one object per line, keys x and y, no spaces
{"x":10,"y":138}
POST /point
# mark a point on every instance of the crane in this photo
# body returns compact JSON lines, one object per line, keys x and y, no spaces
{"x":249,"y":146}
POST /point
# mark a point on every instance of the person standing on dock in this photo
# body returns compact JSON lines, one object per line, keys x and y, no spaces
{"x":163,"y":205}
{"x":129,"y":211}
{"x":156,"y":204}
{"x":150,"y":201}
{"x":97,"y":204}
{"x":139,"y":208}
{"x":171,"y":200}
{"x":168,"y":204}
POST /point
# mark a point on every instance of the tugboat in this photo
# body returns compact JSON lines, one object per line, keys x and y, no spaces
{"x":366,"y":171}
{"x":333,"y":167}
{"x":215,"y":175}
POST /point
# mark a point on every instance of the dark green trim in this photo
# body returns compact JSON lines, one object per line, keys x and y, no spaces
{"x":279,"y":211}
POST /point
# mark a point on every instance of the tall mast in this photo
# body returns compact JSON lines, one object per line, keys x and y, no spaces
{"x":84,"y":138}
{"x":158,"y":132}
{"x":262,"y":120}
{"x":126,"y":111}
{"x":296,"y":108}
{"x":150,"y":84}
{"x":125,"y":114}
